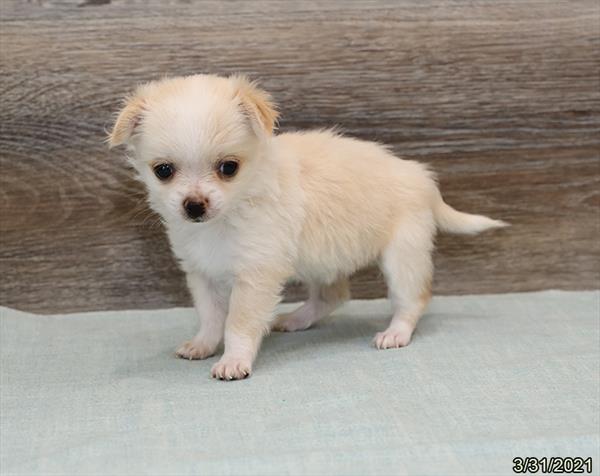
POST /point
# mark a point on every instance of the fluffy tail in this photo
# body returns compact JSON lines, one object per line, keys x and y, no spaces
{"x":453,"y":221}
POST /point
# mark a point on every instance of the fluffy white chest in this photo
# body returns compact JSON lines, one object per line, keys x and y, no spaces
{"x":207,"y":249}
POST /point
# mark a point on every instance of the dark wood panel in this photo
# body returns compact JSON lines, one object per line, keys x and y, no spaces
{"x":501,"y":98}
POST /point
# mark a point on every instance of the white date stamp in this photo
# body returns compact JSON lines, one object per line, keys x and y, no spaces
{"x":552,"y":465}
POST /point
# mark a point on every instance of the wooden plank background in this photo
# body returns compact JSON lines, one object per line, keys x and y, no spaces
{"x":502,"y":99}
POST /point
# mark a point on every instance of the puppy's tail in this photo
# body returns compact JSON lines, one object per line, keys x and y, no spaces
{"x":452,"y":221}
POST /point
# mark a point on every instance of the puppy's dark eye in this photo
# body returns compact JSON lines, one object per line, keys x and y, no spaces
{"x":164,"y":171}
{"x":228,"y":168}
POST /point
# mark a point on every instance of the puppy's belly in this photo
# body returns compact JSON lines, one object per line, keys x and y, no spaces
{"x":326,"y":267}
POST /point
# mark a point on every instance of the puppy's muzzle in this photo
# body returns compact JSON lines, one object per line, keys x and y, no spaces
{"x":195,"y":211}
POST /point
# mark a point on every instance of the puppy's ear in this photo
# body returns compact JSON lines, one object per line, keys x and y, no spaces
{"x":128,"y":119}
{"x":257,"y":103}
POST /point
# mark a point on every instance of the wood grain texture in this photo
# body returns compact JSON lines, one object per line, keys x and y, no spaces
{"x":501,"y":98}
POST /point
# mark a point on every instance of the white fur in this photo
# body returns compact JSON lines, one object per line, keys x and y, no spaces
{"x":314,"y":206}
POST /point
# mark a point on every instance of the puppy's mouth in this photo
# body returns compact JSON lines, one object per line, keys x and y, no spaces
{"x":196,"y":220}
{"x":201,"y":219}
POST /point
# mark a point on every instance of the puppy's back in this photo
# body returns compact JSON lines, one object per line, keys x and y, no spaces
{"x":332,"y":165}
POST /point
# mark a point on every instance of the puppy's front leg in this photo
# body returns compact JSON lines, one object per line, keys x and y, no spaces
{"x":211,"y":305}
{"x":251,"y":311}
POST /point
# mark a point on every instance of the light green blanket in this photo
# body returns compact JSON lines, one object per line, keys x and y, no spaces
{"x":486,"y":379}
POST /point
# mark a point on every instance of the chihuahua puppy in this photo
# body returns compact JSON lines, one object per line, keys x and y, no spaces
{"x":246,"y":210}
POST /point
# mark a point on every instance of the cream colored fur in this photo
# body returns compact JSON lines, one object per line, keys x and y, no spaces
{"x":314,"y":206}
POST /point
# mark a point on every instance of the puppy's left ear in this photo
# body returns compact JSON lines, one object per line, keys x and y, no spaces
{"x":128,"y":119}
{"x":257,"y":103}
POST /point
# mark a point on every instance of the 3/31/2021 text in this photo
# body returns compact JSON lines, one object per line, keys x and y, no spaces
{"x":554,"y":464}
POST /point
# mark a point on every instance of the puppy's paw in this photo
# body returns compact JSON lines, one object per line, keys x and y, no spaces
{"x":393,"y":338}
{"x":231,"y":368}
{"x":194,"y":350}
{"x":291,"y":322}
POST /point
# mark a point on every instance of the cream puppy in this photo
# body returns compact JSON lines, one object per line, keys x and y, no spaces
{"x":246,"y":210}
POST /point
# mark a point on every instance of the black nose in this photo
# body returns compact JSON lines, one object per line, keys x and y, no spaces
{"x":194,"y":210}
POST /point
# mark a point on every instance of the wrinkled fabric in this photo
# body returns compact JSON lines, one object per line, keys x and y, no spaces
{"x":486,"y":379}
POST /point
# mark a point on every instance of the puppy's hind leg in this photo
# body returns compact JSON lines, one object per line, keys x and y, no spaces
{"x":323,"y":299}
{"x":408,"y":269}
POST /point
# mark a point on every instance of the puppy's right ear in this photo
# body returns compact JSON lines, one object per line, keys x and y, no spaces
{"x":128,"y":119}
{"x":257,"y":103}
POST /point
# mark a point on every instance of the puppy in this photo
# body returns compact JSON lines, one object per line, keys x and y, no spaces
{"x":246,"y":210}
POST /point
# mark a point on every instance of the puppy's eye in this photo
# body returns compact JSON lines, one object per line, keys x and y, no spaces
{"x":164,"y":171}
{"x":228,"y":168}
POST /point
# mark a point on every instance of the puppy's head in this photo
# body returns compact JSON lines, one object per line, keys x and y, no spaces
{"x":197,"y":142}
